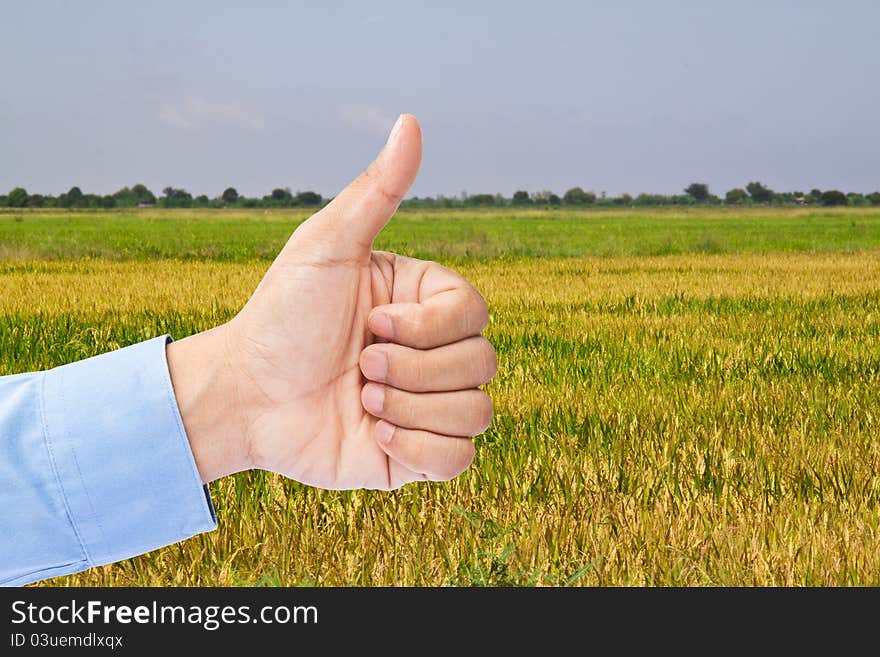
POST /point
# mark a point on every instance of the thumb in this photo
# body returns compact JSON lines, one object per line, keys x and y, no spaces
{"x":346,"y":227}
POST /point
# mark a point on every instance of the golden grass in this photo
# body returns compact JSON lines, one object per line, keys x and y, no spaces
{"x":688,"y":419}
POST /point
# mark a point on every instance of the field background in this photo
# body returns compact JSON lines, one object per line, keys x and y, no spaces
{"x":684,"y":396}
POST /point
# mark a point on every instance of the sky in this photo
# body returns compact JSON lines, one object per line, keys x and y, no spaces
{"x":610,"y":96}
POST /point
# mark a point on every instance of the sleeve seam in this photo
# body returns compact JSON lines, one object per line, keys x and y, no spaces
{"x":47,"y":438}
{"x":46,"y":573}
{"x":82,"y":480}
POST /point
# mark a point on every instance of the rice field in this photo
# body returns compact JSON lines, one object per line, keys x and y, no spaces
{"x":684,"y":397}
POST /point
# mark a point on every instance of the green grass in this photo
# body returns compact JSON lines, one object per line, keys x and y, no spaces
{"x":663,"y":415}
{"x":235,"y":235}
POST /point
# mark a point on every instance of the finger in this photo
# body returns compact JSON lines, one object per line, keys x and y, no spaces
{"x":442,"y":319}
{"x":432,"y":306}
{"x":461,"y":413}
{"x":458,"y":366}
{"x":346,"y":227}
{"x":438,"y":457}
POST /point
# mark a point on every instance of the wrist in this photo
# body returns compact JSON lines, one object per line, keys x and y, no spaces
{"x":205,"y":390}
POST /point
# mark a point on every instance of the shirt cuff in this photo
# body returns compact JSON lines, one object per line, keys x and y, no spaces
{"x":121,"y":455}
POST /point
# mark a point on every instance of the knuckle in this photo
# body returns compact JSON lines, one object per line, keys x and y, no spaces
{"x":374,"y":178}
{"x":444,"y":474}
{"x":371,"y":175}
{"x":420,"y":372}
{"x":419,"y":447}
{"x":416,"y":327}
{"x":481,"y":311}
{"x":399,"y":405}
{"x":392,"y":361}
{"x":467,"y":457}
{"x":489,"y":358}
{"x":431,"y":325}
{"x":459,"y":457}
{"x":483,"y":412}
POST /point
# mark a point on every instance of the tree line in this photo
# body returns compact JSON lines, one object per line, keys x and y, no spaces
{"x":754,"y":193}
{"x":171,"y":197}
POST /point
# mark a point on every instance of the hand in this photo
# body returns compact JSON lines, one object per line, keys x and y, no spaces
{"x":348,"y":367}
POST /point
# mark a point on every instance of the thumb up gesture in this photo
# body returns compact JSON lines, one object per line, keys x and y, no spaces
{"x":348,"y":367}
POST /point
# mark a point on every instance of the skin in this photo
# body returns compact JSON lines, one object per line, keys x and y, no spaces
{"x":348,"y":367}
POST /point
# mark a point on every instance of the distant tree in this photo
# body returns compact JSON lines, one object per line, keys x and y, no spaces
{"x":91,"y":201}
{"x":124,"y":197}
{"x":72,"y":198}
{"x":625,"y":199}
{"x":521,"y":197}
{"x":813,"y":196}
{"x":130,"y":197}
{"x":833,"y":197}
{"x":698,"y":191}
{"x":36,"y":201}
{"x":546,"y":197}
{"x":230,"y":195}
{"x":759,"y":192}
{"x":308,"y":198}
{"x":577,"y":196}
{"x":650,"y":199}
{"x":176,"y":198}
{"x":202,"y":201}
{"x":142,"y":194}
{"x":856,"y":200}
{"x":480,"y":200}
{"x":873,"y":198}
{"x":108,"y":201}
{"x":281,"y":196}
{"x":17,"y":198}
{"x":75,"y":197}
{"x":416,"y":202}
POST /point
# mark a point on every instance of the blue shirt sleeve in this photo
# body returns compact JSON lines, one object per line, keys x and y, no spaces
{"x":95,"y":465}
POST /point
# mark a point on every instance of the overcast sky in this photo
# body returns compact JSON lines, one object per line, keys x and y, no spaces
{"x":614,"y":96}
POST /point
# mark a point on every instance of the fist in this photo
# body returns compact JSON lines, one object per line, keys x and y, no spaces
{"x":348,"y":367}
